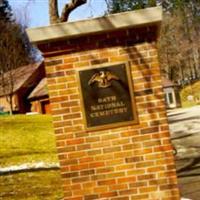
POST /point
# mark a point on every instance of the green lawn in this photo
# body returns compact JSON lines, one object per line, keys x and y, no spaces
{"x":194,"y":90}
{"x":28,"y":139}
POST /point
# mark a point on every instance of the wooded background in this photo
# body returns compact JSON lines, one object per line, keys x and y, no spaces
{"x":178,"y":46}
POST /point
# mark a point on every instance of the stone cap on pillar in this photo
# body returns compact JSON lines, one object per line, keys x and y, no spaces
{"x":143,"y":17}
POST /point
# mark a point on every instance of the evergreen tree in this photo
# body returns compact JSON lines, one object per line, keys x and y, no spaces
{"x":115,"y":6}
{"x":5,"y":11}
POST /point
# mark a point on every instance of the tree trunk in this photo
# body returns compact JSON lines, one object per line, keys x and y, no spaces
{"x":53,"y":11}
{"x":11,"y":105}
{"x":9,"y":99}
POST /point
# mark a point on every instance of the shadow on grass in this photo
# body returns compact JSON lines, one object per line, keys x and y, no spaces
{"x":16,"y":154}
{"x":171,"y":121}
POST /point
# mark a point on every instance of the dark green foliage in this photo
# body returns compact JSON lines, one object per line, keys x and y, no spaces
{"x":13,"y":44}
{"x":31,"y":53}
{"x":15,"y":50}
{"x":173,"y":5}
{"x":14,"y":41}
{"x":115,"y":6}
{"x":5,"y":11}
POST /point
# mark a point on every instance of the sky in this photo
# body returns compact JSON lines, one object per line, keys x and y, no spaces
{"x":34,"y":13}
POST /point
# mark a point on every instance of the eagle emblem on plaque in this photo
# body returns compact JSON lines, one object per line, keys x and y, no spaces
{"x":103,"y":79}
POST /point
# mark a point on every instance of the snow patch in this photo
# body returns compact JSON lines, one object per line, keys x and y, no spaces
{"x":28,"y":166}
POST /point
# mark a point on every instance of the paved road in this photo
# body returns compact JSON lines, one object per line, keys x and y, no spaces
{"x":185,"y":134}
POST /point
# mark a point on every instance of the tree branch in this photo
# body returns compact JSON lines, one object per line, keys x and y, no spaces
{"x":68,"y":8}
{"x":53,"y":11}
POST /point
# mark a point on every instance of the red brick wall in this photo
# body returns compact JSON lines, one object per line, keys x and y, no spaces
{"x":129,"y":162}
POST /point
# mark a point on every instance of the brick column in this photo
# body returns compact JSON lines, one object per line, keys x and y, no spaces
{"x":126,"y":162}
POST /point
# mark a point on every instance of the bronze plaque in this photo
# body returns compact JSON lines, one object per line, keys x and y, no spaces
{"x":107,"y":96}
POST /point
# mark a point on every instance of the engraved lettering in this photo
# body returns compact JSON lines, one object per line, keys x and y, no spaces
{"x":107,"y":96}
{"x":107,"y":99}
{"x":108,"y":112}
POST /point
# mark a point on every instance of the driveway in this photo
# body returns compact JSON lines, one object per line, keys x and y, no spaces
{"x":185,"y":134}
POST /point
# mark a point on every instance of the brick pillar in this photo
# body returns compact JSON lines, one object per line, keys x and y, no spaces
{"x":133,"y":161}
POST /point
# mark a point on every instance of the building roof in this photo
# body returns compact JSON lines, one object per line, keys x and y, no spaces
{"x":117,"y":21}
{"x":40,"y":90}
{"x":20,"y":76}
{"x":167,"y":83}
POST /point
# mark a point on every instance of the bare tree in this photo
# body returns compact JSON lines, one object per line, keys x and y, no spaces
{"x":12,"y":55}
{"x":179,"y":43}
{"x":68,"y":8}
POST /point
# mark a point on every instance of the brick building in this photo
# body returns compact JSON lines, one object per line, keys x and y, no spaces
{"x":39,"y":98}
{"x":25,"y":80}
